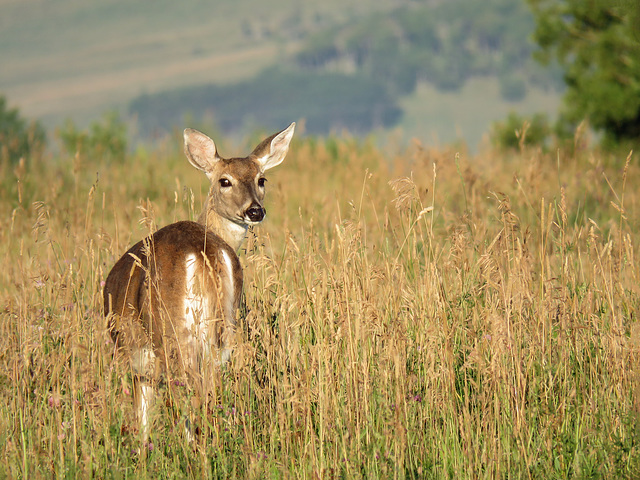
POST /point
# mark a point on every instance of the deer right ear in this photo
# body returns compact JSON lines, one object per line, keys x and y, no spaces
{"x":200,"y":150}
{"x":271,"y":152}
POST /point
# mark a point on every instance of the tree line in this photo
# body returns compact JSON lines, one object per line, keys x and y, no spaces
{"x":326,"y":101}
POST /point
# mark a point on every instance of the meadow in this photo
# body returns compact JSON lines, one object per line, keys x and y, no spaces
{"x":410,"y":313}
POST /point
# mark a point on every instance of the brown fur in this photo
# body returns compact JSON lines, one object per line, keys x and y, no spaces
{"x":171,"y":300}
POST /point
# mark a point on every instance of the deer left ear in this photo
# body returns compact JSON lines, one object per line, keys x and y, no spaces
{"x":272,"y":151}
{"x":200,"y":150}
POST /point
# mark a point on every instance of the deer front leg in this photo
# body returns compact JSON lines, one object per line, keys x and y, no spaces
{"x":143,"y":397}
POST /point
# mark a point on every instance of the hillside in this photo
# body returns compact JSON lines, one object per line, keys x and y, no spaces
{"x":76,"y":61}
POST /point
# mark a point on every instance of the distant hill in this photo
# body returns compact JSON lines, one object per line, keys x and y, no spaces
{"x":71,"y":58}
{"x":359,"y":64}
{"x":354,"y":74}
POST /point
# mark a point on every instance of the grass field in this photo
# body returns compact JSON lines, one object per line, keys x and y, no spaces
{"x":411,"y":314}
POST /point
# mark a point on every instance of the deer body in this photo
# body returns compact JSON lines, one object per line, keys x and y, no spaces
{"x":171,"y":299}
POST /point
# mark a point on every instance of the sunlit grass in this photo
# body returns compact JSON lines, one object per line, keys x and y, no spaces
{"x":426,"y":314}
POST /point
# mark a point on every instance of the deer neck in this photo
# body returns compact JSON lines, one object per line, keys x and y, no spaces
{"x":231,"y":232}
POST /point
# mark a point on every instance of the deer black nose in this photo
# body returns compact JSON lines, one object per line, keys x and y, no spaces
{"x":255,"y":213}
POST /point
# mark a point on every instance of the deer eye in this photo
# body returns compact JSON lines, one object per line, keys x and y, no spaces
{"x":225,"y":182}
{"x":261,"y":182}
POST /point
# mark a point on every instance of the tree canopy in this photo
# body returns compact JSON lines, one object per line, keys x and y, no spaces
{"x":597,"y":43}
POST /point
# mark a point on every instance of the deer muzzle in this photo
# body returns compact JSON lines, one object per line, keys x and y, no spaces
{"x":255,"y":213}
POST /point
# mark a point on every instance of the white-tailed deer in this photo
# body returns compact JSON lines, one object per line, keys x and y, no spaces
{"x":171,"y":300}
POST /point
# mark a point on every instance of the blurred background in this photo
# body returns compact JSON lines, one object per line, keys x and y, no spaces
{"x":440,"y":71}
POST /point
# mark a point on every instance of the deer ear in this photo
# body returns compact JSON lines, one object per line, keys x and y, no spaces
{"x":200,"y":150}
{"x":271,"y":152}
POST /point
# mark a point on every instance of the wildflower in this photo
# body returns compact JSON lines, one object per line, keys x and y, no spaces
{"x":54,"y":401}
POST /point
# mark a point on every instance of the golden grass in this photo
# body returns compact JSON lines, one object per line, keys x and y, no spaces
{"x":424,"y":314}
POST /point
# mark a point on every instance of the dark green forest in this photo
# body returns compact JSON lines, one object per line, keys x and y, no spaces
{"x":352,"y":75}
{"x":325,"y":100}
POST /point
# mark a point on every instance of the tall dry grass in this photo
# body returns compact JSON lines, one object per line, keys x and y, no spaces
{"x":416,"y":314}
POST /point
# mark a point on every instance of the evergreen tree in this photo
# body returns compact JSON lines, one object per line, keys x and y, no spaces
{"x":597,"y":43}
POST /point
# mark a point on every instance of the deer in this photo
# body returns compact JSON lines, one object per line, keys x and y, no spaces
{"x":171,"y":300}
